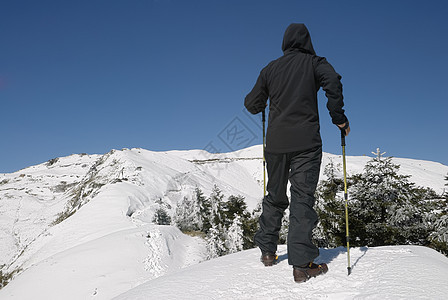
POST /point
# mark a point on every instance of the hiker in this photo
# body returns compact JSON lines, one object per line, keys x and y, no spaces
{"x":294,"y":146}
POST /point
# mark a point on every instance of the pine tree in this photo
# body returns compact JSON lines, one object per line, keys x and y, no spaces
{"x":385,"y":207}
{"x":439,"y":237}
{"x":161,"y":217}
{"x":186,"y":215}
{"x":228,"y":226}
{"x":235,"y":236}
{"x":216,"y":205}
{"x":215,"y":242}
{"x":233,"y":207}
{"x":283,"y":234}
{"x":330,"y":231}
{"x":250,"y":227}
{"x":256,"y":213}
{"x":438,"y":220}
{"x":203,"y":210}
{"x":236,"y":207}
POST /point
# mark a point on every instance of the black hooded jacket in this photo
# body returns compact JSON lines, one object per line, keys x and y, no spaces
{"x":291,"y":82}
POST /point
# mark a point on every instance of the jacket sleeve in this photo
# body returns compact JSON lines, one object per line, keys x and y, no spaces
{"x":330,"y":81}
{"x":256,"y":100}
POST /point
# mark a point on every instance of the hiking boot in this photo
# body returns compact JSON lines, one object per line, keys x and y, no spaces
{"x":303,"y":273}
{"x":269,"y":259}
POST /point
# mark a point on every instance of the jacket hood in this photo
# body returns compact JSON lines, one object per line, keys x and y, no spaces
{"x":297,"y":37}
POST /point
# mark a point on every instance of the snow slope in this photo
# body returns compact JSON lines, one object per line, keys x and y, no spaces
{"x":109,"y":245}
{"x":138,"y":181}
{"x":108,"y":265}
{"x":393,"y":272}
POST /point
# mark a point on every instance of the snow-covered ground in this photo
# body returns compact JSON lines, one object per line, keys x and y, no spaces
{"x":107,"y":265}
{"x":393,"y":272}
{"x":109,"y":245}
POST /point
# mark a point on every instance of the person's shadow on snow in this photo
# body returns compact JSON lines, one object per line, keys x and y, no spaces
{"x":282,"y":257}
{"x":328,"y":255}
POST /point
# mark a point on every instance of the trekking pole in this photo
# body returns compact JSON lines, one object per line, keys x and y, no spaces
{"x":263,"y":120}
{"x":347,"y":236}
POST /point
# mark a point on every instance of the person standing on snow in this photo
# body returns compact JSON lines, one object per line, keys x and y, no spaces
{"x":294,"y":146}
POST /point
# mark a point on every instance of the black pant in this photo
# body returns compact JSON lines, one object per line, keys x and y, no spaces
{"x":302,"y":169}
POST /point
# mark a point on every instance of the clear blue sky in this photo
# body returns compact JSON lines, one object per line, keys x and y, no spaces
{"x":91,"y":76}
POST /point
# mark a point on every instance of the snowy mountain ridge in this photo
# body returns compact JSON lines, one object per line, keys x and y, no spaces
{"x":88,"y":218}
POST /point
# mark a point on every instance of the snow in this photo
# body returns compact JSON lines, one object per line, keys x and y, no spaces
{"x":110,"y":247}
{"x":393,"y":272}
{"x":106,"y":266}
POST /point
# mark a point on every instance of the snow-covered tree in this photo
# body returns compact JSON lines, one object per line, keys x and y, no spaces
{"x":233,"y":207}
{"x":439,"y":237}
{"x":385,"y":207}
{"x":228,"y":226}
{"x":193,"y":214}
{"x":283,"y":234}
{"x":161,"y":217}
{"x":437,"y":219}
{"x":330,"y":231}
{"x":215,"y":242}
{"x":235,"y":236}
{"x":216,"y":203}
{"x":186,"y":217}
{"x":256,"y":213}
{"x":203,"y":210}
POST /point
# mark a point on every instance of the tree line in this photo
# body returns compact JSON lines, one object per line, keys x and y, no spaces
{"x":226,"y":224}
{"x":385,"y":208}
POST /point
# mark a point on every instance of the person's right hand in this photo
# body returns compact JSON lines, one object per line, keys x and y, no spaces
{"x":347,"y":130}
